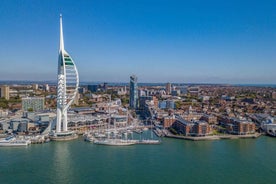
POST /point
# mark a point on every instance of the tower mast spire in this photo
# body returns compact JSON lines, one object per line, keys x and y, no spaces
{"x":61,"y":42}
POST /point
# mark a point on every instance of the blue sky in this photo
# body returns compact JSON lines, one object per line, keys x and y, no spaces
{"x":160,"y":41}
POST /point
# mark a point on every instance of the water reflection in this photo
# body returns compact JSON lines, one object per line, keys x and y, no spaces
{"x":62,"y":162}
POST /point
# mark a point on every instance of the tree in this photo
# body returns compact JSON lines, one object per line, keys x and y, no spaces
{"x":125,"y":100}
{"x":4,"y":103}
{"x":178,"y":104}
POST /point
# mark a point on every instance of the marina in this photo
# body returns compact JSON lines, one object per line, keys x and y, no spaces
{"x":121,"y":137}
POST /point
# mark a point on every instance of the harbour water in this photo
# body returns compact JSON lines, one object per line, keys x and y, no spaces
{"x":174,"y":161}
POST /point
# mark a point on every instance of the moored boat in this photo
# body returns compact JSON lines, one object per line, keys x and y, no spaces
{"x":13,"y":141}
{"x":114,"y":142}
{"x":149,"y":141}
{"x":63,"y":136}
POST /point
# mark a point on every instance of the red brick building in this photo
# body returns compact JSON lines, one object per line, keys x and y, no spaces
{"x":188,"y":128}
{"x":240,"y":127}
{"x":168,"y":121}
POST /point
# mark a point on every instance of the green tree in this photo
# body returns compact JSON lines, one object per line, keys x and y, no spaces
{"x":125,"y":100}
{"x":178,"y":104}
{"x":30,"y":109}
{"x":4,"y":103}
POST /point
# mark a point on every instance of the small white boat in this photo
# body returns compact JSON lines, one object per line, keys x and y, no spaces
{"x":149,"y":141}
{"x":12,"y":141}
{"x":138,"y":131}
{"x":99,"y":135}
{"x":145,"y":129}
{"x":89,"y":138}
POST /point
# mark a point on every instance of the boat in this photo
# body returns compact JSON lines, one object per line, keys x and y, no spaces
{"x":99,"y":135}
{"x":138,"y":131}
{"x":149,"y":141}
{"x":63,"y":136}
{"x":90,"y":139}
{"x":145,"y":128}
{"x":13,"y":141}
{"x":114,"y":142}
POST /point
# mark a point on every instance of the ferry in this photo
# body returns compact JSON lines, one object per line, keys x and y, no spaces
{"x":12,"y":141}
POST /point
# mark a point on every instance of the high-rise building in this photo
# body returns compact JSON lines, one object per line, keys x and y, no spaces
{"x":46,"y":87}
{"x":133,"y":92}
{"x":93,"y":88}
{"x":105,"y":86}
{"x":168,"y":88}
{"x":170,"y":104}
{"x":33,"y":103}
{"x":5,"y":92}
{"x":274,"y":95}
{"x":82,"y":90}
{"x":143,"y":100}
{"x":166,"y":104}
{"x":68,"y":83}
{"x":35,"y":87}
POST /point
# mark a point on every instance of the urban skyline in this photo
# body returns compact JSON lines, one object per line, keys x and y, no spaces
{"x":199,"y":104}
{"x":185,"y":41}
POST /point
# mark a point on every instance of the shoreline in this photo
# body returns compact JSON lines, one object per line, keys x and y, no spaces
{"x":214,"y":137}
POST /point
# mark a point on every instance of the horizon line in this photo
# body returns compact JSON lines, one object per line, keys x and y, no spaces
{"x":110,"y":82}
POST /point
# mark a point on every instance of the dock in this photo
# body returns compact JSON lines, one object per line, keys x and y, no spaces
{"x":39,"y":140}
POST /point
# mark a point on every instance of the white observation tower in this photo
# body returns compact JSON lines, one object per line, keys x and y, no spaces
{"x":67,"y":87}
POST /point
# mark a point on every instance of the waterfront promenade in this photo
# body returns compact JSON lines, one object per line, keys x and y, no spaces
{"x":214,"y":137}
{"x":168,"y":134}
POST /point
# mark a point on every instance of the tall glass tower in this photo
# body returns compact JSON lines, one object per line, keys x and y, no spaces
{"x":133,"y":92}
{"x":68,"y":83}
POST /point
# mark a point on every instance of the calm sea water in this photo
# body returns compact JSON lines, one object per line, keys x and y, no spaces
{"x":174,"y":161}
